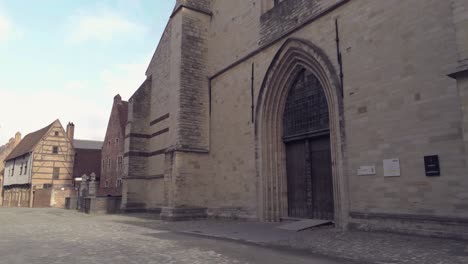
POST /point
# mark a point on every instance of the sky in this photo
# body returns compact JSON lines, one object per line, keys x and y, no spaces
{"x":67,"y":59}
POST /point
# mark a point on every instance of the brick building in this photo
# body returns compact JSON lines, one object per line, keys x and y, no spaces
{"x":113,"y":150}
{"x":87,"y":158}
{"x":346,"y":110}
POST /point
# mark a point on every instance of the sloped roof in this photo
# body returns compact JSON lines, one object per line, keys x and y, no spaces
{"x":87,"y":144}
{"x":122,"y":108}
{"x":27,"y":144}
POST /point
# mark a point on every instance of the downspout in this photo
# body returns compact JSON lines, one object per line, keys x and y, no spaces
{"x":339,"y":56}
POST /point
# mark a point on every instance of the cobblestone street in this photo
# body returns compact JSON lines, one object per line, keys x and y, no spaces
{"x":47,"y":236}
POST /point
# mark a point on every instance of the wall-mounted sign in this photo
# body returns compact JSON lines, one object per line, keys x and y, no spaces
{"x":391,"y":167}
{"x":366,"y":170}
{"x":431,"y":165}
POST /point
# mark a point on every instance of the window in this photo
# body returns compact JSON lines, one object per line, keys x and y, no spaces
{"x":25,"y":168}
{"x":56,"y":133}
{"x":21,"y":169}
{"x":108,"y":162}
{"x":119,"y":183}
{"x":56,"y":173}
{"x":107,"y":184}
{"x":119,"y":163}
{"x":55,"y":149}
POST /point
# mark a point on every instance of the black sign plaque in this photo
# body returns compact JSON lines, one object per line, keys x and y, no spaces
{"x":431,"y":164}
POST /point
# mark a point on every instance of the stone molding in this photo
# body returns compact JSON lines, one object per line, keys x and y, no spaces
{"x":293,"y":56}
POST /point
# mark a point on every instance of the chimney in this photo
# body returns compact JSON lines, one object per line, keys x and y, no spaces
{"x":70,"y":131}
{"x":17,"y":137}
{"x":117,"y":98}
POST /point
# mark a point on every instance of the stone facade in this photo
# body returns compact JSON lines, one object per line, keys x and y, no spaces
{"x":5,"y":150}
{"x":204,"y":130}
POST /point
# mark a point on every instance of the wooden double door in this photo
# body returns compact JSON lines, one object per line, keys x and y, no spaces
{"x":309,"y":177}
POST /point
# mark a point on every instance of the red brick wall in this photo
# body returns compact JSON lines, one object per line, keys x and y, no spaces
{"x":112,"y":149}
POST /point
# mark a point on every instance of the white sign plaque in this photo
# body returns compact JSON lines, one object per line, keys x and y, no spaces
{"x":366,"y":170}
{"x":391,"y":167}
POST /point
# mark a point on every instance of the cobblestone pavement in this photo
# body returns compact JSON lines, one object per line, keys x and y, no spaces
{"x":49,"y":236}
{"x":370,"y":247}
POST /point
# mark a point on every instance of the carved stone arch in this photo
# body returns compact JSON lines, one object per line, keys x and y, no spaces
{"x":294,"y":56}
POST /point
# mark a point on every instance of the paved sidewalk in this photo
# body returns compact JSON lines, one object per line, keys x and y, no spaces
{"x":54,"y":236}
{"x":370,"y":247}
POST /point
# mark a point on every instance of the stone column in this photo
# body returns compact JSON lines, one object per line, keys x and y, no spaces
{"x":460,"y":21}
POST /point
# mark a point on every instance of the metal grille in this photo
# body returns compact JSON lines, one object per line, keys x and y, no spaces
{"x":306,"y":107}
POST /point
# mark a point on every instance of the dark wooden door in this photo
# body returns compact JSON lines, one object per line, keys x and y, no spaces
{"x":42,"y":198}
{"x":309,"y":177}
{"x":321,"y":174}
{"x":299,"y":185}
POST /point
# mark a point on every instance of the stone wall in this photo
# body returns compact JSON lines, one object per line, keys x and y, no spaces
{"x":395,"y":83}
{"x":290,"y":14}
{"x":59,"y":196}
{"x":397,"y":102}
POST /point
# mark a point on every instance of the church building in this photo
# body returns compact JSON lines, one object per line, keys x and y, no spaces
{"x":353,"y":111}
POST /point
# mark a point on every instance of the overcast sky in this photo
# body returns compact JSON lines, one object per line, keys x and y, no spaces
{"x":67,"y":59}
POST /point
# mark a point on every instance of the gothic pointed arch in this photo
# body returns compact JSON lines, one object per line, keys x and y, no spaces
{"x":295,"y":56}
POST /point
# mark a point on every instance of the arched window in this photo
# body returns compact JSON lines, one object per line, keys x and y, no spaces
{"x":306,"y":110}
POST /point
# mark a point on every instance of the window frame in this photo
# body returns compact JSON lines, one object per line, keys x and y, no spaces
{"x":56,"y":173}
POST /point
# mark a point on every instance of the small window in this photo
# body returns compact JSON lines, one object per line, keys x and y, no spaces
{"x":25,"y":168}
{"x":107,"y":184}
{"x":119,"y":163}
{"x":119,"y":183}
{"x":56,"y":133}
{"x":55,"y":149}
{"x":21,"y":169}
{"x":56,"y":173}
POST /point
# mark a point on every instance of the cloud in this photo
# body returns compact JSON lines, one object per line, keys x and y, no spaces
{"x":8,"y":29}
{"x":124,"y":79}
{"x":36,"y":109}
{"x":101,"y":26}
{"x":85,"y":102}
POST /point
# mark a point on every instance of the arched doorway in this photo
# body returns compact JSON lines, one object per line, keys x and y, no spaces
{"x":298,"y":59}
{"x":306,"y":135}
